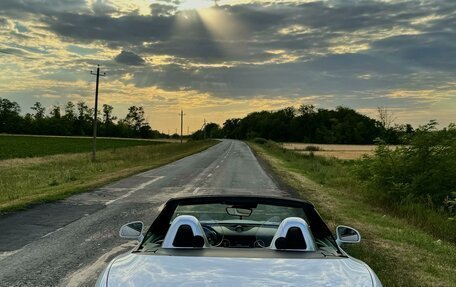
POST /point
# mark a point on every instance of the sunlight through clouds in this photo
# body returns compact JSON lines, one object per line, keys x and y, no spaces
{"x":195,"y":4}
{"x":230,"y":57}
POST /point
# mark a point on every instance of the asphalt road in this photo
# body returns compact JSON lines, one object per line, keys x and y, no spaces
{"x":68,"y":243}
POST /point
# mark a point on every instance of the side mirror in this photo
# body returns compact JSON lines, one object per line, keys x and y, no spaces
{"x":346,"y":234}
{"x":132,"y":230}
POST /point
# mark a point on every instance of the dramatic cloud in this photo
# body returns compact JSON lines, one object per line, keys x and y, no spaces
{"x":238,"y":56}
{"x":129,"y":58}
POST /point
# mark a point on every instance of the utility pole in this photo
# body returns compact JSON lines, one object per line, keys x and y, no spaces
{"x":204,"y":128}
{"x":94,"y":150}
{"x":188,"y":130}
{"x":182,"y":123}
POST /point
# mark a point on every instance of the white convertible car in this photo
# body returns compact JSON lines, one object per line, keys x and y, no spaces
{"x":238,"y":241}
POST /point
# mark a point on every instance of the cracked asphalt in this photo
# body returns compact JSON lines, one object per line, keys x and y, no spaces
{"x":69,"y":242}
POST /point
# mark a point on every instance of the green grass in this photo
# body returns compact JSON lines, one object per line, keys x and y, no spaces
{"x":402,"y":251}
{"x":33,"y":180}
{"x":12,"y":146}
{"x":336,"y":173}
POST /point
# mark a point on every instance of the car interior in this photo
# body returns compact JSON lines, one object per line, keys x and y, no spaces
{"x":239,"y":225}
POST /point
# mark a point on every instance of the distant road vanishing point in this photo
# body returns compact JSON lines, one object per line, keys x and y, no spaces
{"x":68,"y":243}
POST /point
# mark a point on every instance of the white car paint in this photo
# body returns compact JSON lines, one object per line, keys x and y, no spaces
{"x":245,"y":266}
{"x":137,"y":269}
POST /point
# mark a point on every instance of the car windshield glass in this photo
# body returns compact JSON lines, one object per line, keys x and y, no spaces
{"x":221,"y":213}
{"x":238,"y":222}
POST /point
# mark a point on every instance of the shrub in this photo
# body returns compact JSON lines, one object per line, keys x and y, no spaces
{"x":260,"y":141}
{"x":423,"y":171}
{"x":312,"y":148}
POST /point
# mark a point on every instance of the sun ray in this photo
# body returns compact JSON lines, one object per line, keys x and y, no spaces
{"x":225,"y":31}
{"x":195,"y":4}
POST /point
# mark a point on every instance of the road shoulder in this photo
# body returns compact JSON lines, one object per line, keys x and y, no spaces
{"x":399,"y":253}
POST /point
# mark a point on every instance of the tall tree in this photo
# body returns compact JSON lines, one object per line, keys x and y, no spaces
{"x":84,"y":113}
{"x":108,"y":118}
{"x":55,"y":112}
{"x":385,"y":117}
{"x":9,"y":115}
{"x":69,"y":111}
{"x":135,"y":117}
{"x":39,"y":110}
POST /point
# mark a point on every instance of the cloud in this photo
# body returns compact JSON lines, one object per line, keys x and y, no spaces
{"x":163,"y":9}
{"x":5,"y":23}
{"x":129,"y":58}
{"x":16,"y":52}
{"x":101,"y":7}
{"x":337,"y":52}
{"x":428,"y":50}
{"x":25,"y":8}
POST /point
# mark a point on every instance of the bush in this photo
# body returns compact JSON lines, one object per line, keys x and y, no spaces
{"x":423,"y":171}
{"x":260,"y":141}
{"x":312,"y":148}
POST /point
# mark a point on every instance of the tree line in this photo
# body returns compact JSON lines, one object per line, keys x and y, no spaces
{"x":308,"y":124}
{"x":304,"y":124}
{"x":74,"y":120}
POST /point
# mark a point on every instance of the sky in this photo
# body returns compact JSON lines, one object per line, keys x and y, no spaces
{"x":224,"y":59}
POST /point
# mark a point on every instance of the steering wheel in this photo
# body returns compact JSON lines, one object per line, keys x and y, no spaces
{"x":213,"y":237}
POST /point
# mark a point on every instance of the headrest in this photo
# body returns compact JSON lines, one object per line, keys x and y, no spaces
{"x":185,"y":232}
{"x":185,"y":238}
{"x":293,"y":234}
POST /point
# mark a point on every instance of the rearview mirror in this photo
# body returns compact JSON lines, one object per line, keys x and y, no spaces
{"x":235,"y":211}
{"x":346,"y":234}
{"x":132,"y":230}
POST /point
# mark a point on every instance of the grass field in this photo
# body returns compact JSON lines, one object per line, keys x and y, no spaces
{"x":12,"y":146}
{"x":339,"y":151}
{"x":25,"y":181}
{"x":398,"y":248}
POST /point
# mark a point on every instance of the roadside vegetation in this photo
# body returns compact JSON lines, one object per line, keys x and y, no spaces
{"x":417,"y":181}
{"x":75,"y":119}
{"x":40,"y":179}
{"x":13,"y":146}
{"x":402,"y":202}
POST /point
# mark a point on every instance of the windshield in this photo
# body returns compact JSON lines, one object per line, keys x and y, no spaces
{"x":218,"y":213}
{"x":240,"y":225}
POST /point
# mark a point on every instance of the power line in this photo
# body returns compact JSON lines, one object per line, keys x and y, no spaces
{"x":94,"y":150}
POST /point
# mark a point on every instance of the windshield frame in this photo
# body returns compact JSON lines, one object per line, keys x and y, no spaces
{"x":319,"y":229}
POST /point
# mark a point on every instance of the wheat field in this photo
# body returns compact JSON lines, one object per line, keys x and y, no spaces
{"x":340,"y":151}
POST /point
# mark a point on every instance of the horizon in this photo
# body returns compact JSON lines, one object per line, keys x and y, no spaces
{"x":224,"y":61}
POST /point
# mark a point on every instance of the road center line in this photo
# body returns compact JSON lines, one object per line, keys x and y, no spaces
{"x":186,"y":189}
{"x":229,"y":150}
{"x":139,"y":187}
{"x":196,"y":190}
{"x":209,"y":175}
{"x":47,"y":234}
